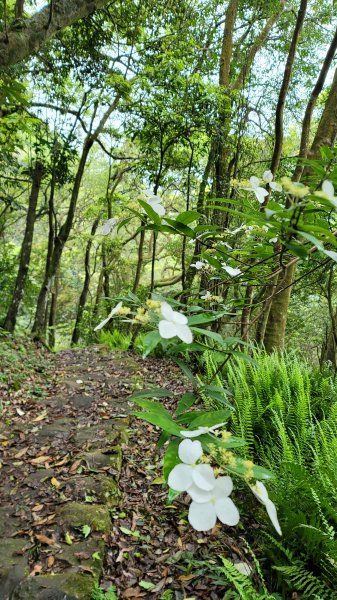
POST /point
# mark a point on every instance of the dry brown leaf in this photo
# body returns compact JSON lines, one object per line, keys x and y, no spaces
{"x":43,"y":539}
{"x":21,"y":453}
{"x":75,"y":466}
{"x":40,"y":417}
{"x":35,"y":570}
{"x":50,"y":561}
{"x":37,"y":508}
{"x":39,"y":460}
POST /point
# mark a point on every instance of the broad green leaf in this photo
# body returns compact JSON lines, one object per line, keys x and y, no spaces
{"x":171,"y":458}
{"x":152,"y":393}
{"x":186,"y":370}
{"x":150,"y":341}
{"x":188,"y":216}
{"x":205,"y":318}
{"x":164,"y":436}
{"x":185,"y":402}
{"x":212,"y":417}
{"x":232,"y":442}
{"x":150,"y":405}
{"x":150,"y":212}
{"x":159,"y":420}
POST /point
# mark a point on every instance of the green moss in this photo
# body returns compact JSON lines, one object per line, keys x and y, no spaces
{"x":75,"y":515}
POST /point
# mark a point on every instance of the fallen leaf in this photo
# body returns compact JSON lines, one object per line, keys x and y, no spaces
{"x":20,"y":412}
{"x":39,"y":460}
{"x":55,"y":483}
{"x":75,"y":466}
{"x":50,"y":561}
{"x":35,"y":570}
{"x":37,"y":508}
{"x":82,"y":555}
{"x":40,"y":417}
{"x":67,"y":538}
{"x":21,"y":453}
{"x":43,"y":539}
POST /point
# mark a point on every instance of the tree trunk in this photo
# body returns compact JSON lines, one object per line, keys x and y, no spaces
{"x":85,"y":289}
{"x":61,"y":238}
{"x":53,"y":311}
{"x":140,"y":261}
{"x":274,"y":337}
{"x":26,"y":248}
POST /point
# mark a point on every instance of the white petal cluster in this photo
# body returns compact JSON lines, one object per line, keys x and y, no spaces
{"x":210,"y":496}
{"x":259,"y":191}
{"x":113,"y":312}
{"x":200,"y":265}
{"x":201,"y":431}
{"x":233,"y":272}
{"x":174,"y":324}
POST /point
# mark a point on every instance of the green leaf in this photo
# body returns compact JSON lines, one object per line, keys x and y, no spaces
{"x":150,"y":341}
{"x":171,"y":458}
{"x":150,"y":212}
{"x":232,"y":442}
{"x":185,"y":402}
{"x":96,"y":556}
{"x":159,"y":420}
{"x":86,"y":530}
{"x":164,"y":436}
{"x":151,"y":406}
{"x":205,"y":318}
{"x":127,"y":531}
{"x":147,"y":585}
{"x":187,"y":371}
{"x":188,"y":216}
{"x":212,"y":417}
{"x":331,"y":254}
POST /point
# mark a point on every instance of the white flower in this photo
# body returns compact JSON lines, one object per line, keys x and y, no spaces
{"x":199,"y":264}
{"x":174,"y":324}
{"x":196,"y":479}
{"x":259,"y":192}
{"x":230,"y":270}
{"x":207,"y":295}
{"x":328,"y":192}
{"x":203,"y":514}
{"x":268,"y":178}
{"x":201,"y":431}
{"x":235,"y":231}
{"x":113,"y":312}
{"x":108,"y":226}
{"x":273,"y":240}
{"x":261,"y":493}
{"x":156,"y":203}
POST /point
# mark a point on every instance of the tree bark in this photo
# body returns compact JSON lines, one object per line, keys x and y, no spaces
{"x":86,"y":283}
{"x":26,"y":38}
{"x":26,"y":248}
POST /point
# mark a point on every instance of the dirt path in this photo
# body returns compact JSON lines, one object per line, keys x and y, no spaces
{"x":81,"y":496}
{"x":61,"y":460}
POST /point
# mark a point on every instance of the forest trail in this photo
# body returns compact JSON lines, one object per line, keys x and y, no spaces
{"x":61,"y":460}
{"x":81,"y":496}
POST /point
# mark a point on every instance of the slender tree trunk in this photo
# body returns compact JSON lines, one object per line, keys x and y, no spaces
{"x":140,"y":261}
{"x":61,"y":238}
{"x":53,"y":310}
{"x":86,"y":284}
{"x":26,"y":248}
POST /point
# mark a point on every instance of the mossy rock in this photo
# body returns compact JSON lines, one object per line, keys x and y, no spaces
{"x":13,"y":567}
{"x":81,"y":555}
{"x":62,"y":586}
{"x":103,"y":489}
{"x":74,"y":515}
{"x":98,"y":459}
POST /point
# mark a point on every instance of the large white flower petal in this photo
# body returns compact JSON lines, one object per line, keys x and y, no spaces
{"x":272,"y":512}
{"x":202,"y":517}
{"x":233,"y":272}
{"x":167,"y":311}
{"x":189,"y":452}
{"x":260,"y":194}
{"x":167,"y":329}
{"x":243,"y":567}
{"x":199,"y":495}
{"x":179,"y":318}
{"x":108,"y":226}
{"x":191,"y":434}
{"x":328,"y":189}
{"x":158,"y":208}
{"x":113,"y":312}
{"x":203,"y":476}
{"x":267,"y":176}
{"x":254,"y":182}
{"x":260,"y":491}
{"x":227,"y":512}
{"x":223,"y":486}
{"x":180,"y":478}
{"x":184,"y":333}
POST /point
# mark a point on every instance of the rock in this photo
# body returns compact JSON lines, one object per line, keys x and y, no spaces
{"x":96,"y":436}
{"x":80,"y":555}
{"x":75,"y":515}
{"x":82,"y":401}
{"x":8,"y":523}
{"x":99,"y":460}
{"x":13,"y":567}
{"x":62,"y":586}
{"x":102,"y":488}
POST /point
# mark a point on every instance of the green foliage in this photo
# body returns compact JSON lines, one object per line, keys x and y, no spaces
{"x":287,"y":411}
{"x":115,"y":340}
{"x":98,"y":594}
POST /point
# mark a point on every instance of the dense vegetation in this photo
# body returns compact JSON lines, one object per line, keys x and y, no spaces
{"x":185,"y":152}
